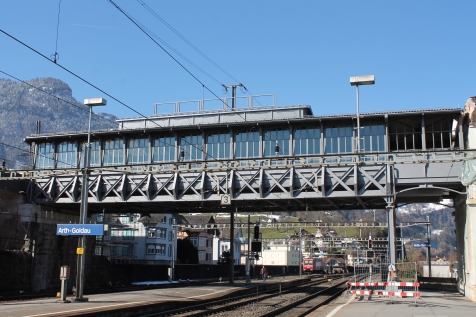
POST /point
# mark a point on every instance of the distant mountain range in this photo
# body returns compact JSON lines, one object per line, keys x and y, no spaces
{"x":47,"y":100}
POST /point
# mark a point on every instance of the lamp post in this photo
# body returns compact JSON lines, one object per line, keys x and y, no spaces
{"x":83,"y":211}
{"x":359,"y":81}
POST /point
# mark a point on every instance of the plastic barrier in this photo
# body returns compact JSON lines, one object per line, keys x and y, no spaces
{"x":384,"y":280}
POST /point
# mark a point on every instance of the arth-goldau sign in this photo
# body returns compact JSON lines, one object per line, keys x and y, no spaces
{"x":79,"y":230}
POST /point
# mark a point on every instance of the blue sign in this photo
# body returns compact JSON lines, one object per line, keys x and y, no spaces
{"x":79,"y":230}
{"x":423,"y":245}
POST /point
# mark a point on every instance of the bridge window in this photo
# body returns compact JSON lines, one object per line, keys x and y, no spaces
{"x":438,"y":133}
{"x":114,"y":152}
{"x":218,"y":146}
{"x":138,"y":152}
{"x":67,"y":155}
{"x":163,"y":149}
{"x":192,"y":146}
{"x":44,"y":156}
{"x":372,"y":138}
{"x":95,"y":159}
{"x":338,"y":139}
{"x":307,"y":141}
{"x":247,"y":144}
{"x":273,"y":138}
{"x":405,"y":134}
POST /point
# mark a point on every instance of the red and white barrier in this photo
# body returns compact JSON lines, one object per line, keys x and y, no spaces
{"x":369,"y":284}
{"x":385,"y":293}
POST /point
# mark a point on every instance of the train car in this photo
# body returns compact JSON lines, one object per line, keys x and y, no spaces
{"x":313,"y":265}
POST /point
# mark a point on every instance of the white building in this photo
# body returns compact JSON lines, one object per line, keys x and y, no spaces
{"x":280,"y":253}
{"x":223,"y":244}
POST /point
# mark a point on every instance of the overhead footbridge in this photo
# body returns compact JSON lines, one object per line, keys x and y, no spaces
{"x":267,"y":158}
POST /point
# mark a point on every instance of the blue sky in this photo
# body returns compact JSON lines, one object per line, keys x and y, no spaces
{"x":422,"y":53}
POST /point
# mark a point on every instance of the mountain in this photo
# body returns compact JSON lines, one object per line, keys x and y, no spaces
{"x":47,"y":100}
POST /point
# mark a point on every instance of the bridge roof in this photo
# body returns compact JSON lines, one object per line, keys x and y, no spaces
{"x":238,"y":117}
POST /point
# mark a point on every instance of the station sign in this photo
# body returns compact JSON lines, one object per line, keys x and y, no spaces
{"x":79,"y":230}
{"x":423,"y":245}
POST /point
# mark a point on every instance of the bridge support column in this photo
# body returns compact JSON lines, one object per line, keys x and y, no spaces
{"x":392,"y":253}
{"x":232,"y":247}
{"x":465,"y":220}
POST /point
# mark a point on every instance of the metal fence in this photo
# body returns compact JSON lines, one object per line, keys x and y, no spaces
{"x":396,"y":282}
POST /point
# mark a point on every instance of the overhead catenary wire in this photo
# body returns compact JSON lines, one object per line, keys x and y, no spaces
{"x":109,"y":95}
{"x":157,"y":16}
{"x":134,"y":21}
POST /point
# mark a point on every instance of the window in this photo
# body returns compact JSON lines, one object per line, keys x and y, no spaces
{"x":114,"y":152}
{"x":169,"y":250}
{"x":128,"y":234}
{"x":192,"y":147}
{"x":201,"y":255}
{"x":273,"y":138}
{"x":160,"y":249}
{"x":202,"y":241}
{"x":194,"y":241}
{"x":163,"y":220}
{"x":405,"y":134}
{"x":438,"y":133}
{"x":44,"y":155}
{"x":67,"y":155}
{"x":150,"y":249}
{"x":151,"y":234}
{"x":208,"y":256}
{"x":372,"y":138}
{"x":138,"y":151}
{"x":161,"y":233}
{"x":218,"y":146}
{"x":338,"y":139}
{"x":95,"y":158}
{"x":163,"y":149}
{"x":247,"y":144}
{"x":307,"y":141}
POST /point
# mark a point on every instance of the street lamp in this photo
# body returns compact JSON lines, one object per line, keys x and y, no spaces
{"x":359,"y":81}
{"x":83,"y":211}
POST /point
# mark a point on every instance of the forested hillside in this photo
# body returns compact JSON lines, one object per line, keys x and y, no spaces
{"x":48,"y":100}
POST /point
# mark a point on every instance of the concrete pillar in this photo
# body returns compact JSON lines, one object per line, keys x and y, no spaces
{"x":465,"y":220}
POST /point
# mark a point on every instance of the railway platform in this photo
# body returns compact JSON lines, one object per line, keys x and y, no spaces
{"x":431,"y":303}
{"x":140,"y":302}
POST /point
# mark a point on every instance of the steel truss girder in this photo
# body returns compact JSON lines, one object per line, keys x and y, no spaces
{"x":353,"y":182}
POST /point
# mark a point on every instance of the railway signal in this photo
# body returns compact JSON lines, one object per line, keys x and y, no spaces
{"x":256,"y":232}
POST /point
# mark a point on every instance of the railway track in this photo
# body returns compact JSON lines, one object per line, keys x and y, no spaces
{"x":292,"y":301}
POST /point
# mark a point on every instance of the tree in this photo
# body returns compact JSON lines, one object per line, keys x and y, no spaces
{"x":187,"y":253}
{"x":224,"y":258}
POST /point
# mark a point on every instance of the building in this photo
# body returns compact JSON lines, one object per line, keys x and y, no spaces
{"x":132,"y":238}
{"x":200,"y":236}
{"x":281,"y":253}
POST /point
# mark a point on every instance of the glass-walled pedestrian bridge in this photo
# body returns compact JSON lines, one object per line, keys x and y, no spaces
{"x":261,"y":158}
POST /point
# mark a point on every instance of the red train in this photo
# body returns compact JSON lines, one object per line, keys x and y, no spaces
{"x":313,"y":265}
